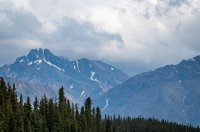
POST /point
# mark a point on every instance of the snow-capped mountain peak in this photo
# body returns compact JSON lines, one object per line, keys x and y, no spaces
{"x":44,"y":68}
{"x":35,"y":56}
{"x":40,"y":56}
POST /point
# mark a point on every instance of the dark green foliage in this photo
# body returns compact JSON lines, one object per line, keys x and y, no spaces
{"x":82,"y":120}
{"x":98,"y":120}
{"x":62,"y":100}
{"x":108,"y":125}
{"x":48,"y":115}
{"x":88,"y":114}
{"x":36,"y":104}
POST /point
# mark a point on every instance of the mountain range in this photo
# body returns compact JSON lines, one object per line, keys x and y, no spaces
{"x":171,"y":92}
{"x":43,"y":70}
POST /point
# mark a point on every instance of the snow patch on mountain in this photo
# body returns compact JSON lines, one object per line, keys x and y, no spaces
{"x":71,"y":86}
{"x":82,"y":93}
{"x":183,"y":99}
{"x":92,"y":77}
{"x":74,"y":66}
{"x":13,"y":75}
{"x":49,"y":63}
{"x":22,"y":60}
{"x":175,"y":69}
{"x":112,"y":68}
{"x":77,"y":66}
{"x":37,"y":61}
{"x":107,"y":101}
{"x":30,"y":63}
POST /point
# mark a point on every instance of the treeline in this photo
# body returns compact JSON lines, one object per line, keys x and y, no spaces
{"x":48,"y":115}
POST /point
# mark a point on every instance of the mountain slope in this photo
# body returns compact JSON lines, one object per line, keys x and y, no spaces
{"x":171,"y":92}
{"x":80,"y":78}
{"x":31,"y":90}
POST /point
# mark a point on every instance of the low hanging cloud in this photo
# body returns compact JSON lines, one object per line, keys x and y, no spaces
{"x":81,"y":37}
{"x":24,"y":31}
{"x":133,"y":35}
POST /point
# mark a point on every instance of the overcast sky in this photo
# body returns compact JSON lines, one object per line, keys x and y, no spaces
{"x":132,"y":35}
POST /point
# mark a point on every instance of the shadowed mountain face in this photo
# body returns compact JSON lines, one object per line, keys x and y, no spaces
{"x":80,"y":78}
{"x":171,"y":92}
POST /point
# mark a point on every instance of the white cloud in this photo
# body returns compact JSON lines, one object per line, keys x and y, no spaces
{"x":122,"y":32}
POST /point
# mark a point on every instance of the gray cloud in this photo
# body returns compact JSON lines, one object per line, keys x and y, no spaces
{"x":79,"y":39}
{"x":134,"y":35}
{"x":19,"y":24}
{"x":18,"y":32}
{"x":162,"y":8}
{"x":83,"y":33}
{"x":189,"y":35}
{"x":175,"y":3}
{"x":76,"y":38}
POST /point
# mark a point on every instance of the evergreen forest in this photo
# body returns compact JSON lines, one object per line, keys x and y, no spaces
{"x":60,"y":115}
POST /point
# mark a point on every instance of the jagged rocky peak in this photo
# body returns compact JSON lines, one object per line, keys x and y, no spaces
{"x":35,"y":55}
{"x":195,"y":59}
{"x":80,"y":78}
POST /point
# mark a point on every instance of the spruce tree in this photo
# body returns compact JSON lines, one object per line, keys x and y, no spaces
{"x":98,"y":120}
{"x":16,"y":117}
{"x":93,"y":119}
{"x":82,"y":123}
{"x":77,"y":115}
{"x":50,"y":115}
{"x":108,"y":125}
{"x":58,"y":124}
{"x":61,"y":99}
{"x":27,"y":115}
{"x":36,"y":104}
{"x":36,"y":122}
{"x":88,"y":113}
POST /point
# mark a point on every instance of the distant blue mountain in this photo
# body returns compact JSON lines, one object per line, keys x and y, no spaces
{"x":80,"y":78}
{"x":171,"y":92}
